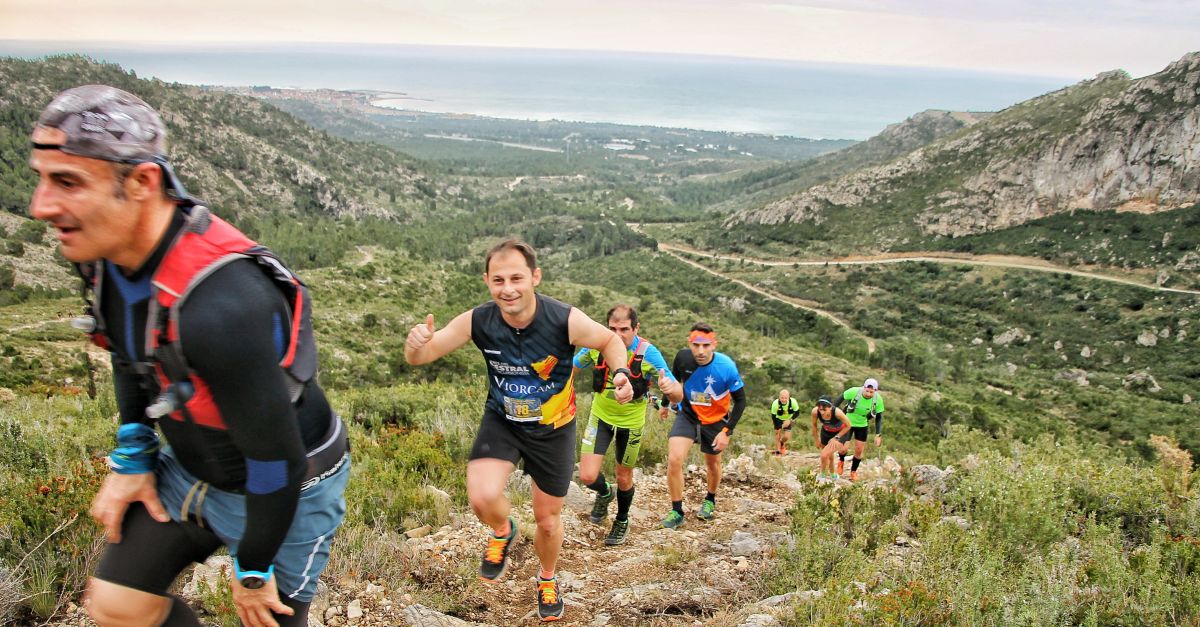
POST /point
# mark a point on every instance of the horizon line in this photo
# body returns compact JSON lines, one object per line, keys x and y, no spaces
{"x":252,"y":45}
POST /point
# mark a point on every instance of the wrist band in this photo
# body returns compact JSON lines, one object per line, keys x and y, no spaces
{"x":627,"y":371}
{"x":137,"y":449}
{"x":259,"y":577}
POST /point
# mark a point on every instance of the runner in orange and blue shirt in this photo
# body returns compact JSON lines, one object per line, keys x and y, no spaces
{"x":713,"y":402}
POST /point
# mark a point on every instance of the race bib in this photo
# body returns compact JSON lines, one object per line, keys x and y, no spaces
{"x":522,"y":409}
{"x":700,"y":398}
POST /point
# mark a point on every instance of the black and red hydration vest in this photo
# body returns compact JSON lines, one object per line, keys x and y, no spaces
{"x":205,"y":244}
{"x":637,"y":379}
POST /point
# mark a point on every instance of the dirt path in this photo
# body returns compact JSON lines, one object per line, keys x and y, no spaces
{"x":995,"y":261}
{"x":701,"y":571}
{"x":788,"y":300}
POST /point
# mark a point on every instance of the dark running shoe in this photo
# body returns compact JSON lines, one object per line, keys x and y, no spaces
{"x":495,"y":557}
{"x":550,"y":605}
{"x":616,"y":535}
{"x":600,"y":507}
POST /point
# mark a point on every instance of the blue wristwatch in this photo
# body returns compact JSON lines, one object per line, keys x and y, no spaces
{"x":252,"y":579}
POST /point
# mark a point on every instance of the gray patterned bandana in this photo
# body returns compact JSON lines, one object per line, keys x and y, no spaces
{"x":101,"y":122}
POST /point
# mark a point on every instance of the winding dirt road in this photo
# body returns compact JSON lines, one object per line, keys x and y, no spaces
{"x":995,"y":261}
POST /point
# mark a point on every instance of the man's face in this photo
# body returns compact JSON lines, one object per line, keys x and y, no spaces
{"x":79,"y":197}
{"x":868,"y":392}
{"x":784,"y":397}
{"x":511,"y":282}
{"x":624,"y":329}
{"x":703,"y":351}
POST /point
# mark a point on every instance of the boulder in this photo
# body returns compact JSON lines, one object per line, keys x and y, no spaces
{"x":1141,"y":381}
{"x":930,"y":480}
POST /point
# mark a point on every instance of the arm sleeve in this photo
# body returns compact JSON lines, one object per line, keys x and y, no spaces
{"x":233,"y":328}
{"x":132,"y":397}
{"x":879,"y":423}
{"x":739,"y":406}
{"x":655,"y":359}
{"x":583,"y":359}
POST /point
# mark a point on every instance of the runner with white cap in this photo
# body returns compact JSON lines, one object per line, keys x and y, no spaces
{"x":862,"y":404}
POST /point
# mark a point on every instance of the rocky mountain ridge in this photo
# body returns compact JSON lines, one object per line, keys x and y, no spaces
{"x":893,"y":142}
{"x":1110,"y":143}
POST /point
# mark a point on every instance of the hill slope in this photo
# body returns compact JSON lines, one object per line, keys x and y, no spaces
{"x":242,"y":154}
{"x":1110,"y":143}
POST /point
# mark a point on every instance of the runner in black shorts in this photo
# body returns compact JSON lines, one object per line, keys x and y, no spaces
{"x":713,"y":401}
{"x":783,"y":411}
{"x":527,"y":342}
{"x":831,"y":431}
{"x":257,"y":461}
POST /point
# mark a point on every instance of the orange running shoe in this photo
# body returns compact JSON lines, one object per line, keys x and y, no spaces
{"x":550,"y":606}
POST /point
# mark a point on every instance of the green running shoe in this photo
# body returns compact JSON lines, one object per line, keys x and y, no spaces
{"x":600,"y":507}
{"x":616,"y":535}
{"x":707,"y":510}
{"x":673,"y":520}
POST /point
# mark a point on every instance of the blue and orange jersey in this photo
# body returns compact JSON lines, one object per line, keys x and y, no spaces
{"x":706,"y":393}
{"x":529,"y":370}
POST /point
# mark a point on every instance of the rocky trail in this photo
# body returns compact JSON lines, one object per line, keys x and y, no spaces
{"x":703,"y":573}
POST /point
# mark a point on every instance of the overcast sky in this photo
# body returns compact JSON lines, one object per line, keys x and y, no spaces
{"x":1062,"y":38}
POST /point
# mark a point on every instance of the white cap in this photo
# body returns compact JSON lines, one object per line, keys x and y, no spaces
{"x":871,"y":383}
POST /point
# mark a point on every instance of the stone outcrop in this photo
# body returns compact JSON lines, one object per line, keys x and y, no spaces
{"x":1110,"y":143}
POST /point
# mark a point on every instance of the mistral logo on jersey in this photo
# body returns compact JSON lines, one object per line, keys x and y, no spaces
{"x":506,"y":369}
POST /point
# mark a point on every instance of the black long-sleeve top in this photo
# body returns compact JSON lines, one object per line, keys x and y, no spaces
{"x":233,"y":328}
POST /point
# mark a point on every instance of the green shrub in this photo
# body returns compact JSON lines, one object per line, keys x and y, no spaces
{"x":1021,"y":504}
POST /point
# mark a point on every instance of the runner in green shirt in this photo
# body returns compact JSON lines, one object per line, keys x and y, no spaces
{"x":862,"y":404}
{"x":611,"y":421}
{"x":783,"y":411}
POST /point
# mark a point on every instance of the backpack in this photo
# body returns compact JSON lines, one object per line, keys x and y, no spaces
{"x":638,"y":378}
{"x":205,"y":244}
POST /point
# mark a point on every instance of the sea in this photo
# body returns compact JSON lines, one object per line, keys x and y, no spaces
{"x":791,"y":98}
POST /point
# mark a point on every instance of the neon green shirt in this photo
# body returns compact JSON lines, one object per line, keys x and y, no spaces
{"x":865,"y":409}
{"x":631,"y":415}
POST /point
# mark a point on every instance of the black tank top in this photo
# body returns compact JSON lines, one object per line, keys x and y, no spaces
{"x":834,"y":423}
{"x":529,"y":370}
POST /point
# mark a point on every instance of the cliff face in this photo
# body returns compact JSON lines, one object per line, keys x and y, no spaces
{"x":1109,"y":143}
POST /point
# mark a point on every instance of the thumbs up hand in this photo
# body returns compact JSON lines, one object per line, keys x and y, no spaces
{"x":668,"y":385}
{"x":421,"y":334}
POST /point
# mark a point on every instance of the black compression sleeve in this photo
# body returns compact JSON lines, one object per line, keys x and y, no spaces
{"x":739,"y":406}
{"x":132,"y":399}
{"x":228,"y":329}
{"x":879,"y":423}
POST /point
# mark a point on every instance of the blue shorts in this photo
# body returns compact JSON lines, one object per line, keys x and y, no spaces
{"x":305,"y":549}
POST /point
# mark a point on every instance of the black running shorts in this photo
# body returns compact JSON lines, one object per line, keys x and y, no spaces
{"x":548,"y":453}
{"x":779,"y":423}
{"x":687,"y":427}
{"x":827,"y":435}
{"x":860,"y":433}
